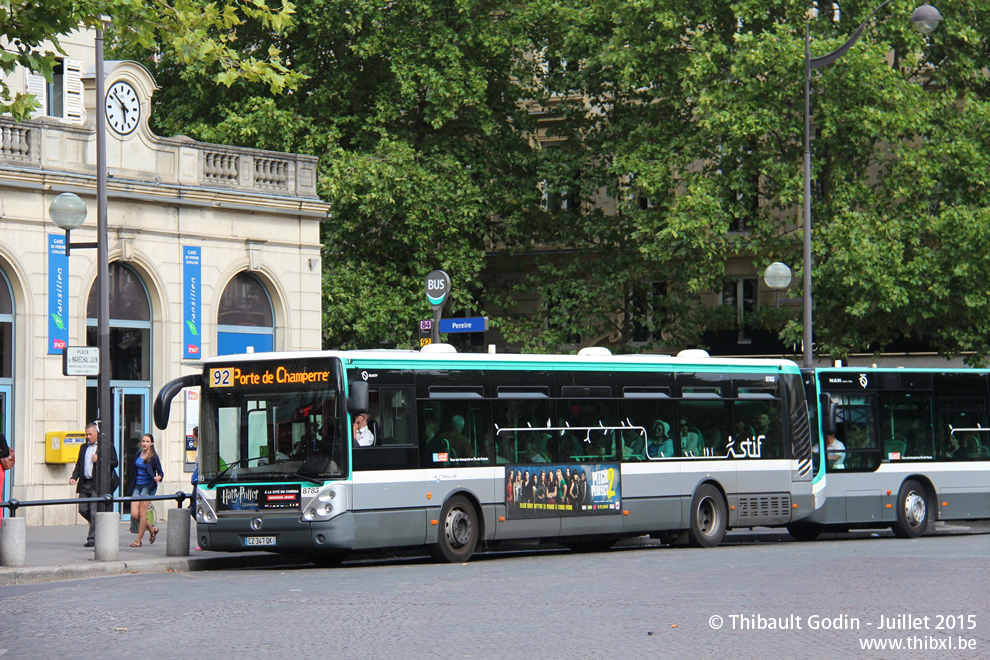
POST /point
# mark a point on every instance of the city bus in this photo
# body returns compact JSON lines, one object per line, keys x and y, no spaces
{"x":911,"y":447}
{"x":329,"y":452}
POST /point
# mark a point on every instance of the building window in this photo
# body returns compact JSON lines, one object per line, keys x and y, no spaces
{"x":245,"y":320}
{"x":644,"y":311}
{"x":63,"y":96}
{"x":740,"y":293}
{"x":130,"y":325}
{"x":6,"y":332}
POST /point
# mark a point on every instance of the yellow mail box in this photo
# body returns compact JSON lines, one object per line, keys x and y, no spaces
{"x":63,"y":446}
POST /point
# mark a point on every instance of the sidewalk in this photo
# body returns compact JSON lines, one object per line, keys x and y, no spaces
{"x":56,"y":553}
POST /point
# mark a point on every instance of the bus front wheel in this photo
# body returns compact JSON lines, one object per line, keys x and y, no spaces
{"x":458,"y":532}
{"x":708,"y":518}
{"x":912,"y":510}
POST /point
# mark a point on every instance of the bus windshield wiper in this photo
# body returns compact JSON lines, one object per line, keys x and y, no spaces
{"x":213,"y":482}
{"x":302,"y":477}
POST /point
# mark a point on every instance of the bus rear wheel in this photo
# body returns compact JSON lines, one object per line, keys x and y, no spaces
{"x":708,"y":520}
{"x":458,"y":532}
{"x":912,"y":510}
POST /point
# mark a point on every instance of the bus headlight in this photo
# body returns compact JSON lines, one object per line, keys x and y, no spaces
{"x":329,"y":502}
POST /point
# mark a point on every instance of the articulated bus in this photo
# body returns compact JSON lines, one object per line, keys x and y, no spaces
{"x":475,"y":449}
{"x":911,"y":446}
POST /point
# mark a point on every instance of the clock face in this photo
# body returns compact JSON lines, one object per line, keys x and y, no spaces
{"x":123,"y":108}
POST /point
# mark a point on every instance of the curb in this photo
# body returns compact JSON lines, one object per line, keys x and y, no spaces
{"x":40,"y":574}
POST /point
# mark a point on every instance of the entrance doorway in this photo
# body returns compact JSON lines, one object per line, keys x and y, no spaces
{"x":130,"y":406}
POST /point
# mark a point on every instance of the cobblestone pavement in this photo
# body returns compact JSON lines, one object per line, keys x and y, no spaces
{"x":825,"y":599}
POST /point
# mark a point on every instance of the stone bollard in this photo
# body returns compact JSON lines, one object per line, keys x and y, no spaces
{"x":13,"y":542}
{"x":177,"y":541}
{"x":107,"y":531}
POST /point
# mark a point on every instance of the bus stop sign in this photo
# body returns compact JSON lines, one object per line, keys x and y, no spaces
{"x":437,"y":288}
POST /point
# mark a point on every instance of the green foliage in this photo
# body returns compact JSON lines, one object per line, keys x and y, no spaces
{"x":672,"y":140}
{"x":199,"y":35}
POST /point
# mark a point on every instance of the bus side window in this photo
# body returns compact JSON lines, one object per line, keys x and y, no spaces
{"x":761,"y":420}
{"x":521,"y":435}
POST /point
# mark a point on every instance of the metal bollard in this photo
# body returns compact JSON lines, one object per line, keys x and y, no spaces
{"x":13,"y":542}
{"x":107,"y":536}
{"x":177,"y":541}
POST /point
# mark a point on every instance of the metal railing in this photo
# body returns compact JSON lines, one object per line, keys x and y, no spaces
{"x":13,"y":505}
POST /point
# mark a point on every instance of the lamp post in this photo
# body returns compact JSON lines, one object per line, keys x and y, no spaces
{"x":777,"y":276}
{"x":925,"y":19}
{"x":67,"y":211}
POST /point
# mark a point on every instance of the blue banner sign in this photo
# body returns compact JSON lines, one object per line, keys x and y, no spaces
{"x":476,"y":324}
{"x":191,"y":338}
{"x":58,"y":296}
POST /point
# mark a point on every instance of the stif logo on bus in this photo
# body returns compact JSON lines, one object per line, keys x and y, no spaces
{"x":440,"y":457}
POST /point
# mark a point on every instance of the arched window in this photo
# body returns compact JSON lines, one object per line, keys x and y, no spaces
{"x":245,"y":321}
{"x":130,"y":325}
{"x":130,"y":360}
{"x":6,"y":329}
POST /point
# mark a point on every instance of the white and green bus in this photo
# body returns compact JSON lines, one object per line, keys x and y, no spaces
{"x":911,"y":447}
{"x":465,"y":450}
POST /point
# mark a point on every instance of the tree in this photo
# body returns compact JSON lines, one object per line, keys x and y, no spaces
{"x":197,"y":34}
{"x":670,"y":140}
{"x":417,"y":117}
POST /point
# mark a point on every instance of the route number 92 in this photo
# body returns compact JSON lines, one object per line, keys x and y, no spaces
{"x":221,"y":378}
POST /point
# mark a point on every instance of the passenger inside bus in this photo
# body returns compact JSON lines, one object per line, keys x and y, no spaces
{"x":691,"y":441}
{"x":457,"y":442}
{"x":660,"y":445}
{"x":634,"y":445}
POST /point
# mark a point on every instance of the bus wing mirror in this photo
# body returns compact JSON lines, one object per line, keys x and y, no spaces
{"x":163,"y":402}
{"x":830,"y":413}
{"x":357,"y":402}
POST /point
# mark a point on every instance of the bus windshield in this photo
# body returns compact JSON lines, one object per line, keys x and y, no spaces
{"x":256,"y":429}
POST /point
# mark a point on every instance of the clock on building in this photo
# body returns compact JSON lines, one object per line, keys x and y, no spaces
{"x":123,"y":108}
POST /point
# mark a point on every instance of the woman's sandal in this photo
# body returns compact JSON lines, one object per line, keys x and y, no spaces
{"x":136,"y":544}
{"x":154,"y":533}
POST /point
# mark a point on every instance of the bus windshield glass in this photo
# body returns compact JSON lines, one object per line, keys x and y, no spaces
{"x":270,"y":421}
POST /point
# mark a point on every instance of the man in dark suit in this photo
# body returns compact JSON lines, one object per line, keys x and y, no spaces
{"x":84,"y":478}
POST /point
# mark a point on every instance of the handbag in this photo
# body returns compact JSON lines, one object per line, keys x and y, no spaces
{"x":8,"y":461}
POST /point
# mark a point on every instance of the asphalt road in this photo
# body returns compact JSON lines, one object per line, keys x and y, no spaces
{"x":825,"y":599}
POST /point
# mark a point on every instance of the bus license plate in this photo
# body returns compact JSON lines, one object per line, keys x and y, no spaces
{"x":259,"y":540}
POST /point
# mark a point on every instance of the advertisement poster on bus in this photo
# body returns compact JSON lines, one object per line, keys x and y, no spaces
{"x":257,"y":498}
{"x":544,"y":490}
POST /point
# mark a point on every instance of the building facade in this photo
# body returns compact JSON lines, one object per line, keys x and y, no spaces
{"x":212,"y":249}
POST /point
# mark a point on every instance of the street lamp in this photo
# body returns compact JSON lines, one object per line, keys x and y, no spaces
{"x":777,"y":276}
{"x":924,"y":19}
{"x":68,"y":212}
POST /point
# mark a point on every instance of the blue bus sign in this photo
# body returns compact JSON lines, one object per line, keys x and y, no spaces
{"x":476,"y":324}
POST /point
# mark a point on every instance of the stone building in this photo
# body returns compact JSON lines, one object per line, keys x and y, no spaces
{"x":212,"y":249}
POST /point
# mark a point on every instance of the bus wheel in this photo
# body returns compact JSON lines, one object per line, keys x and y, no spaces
{"x":459,"y":531}
{"x":327,"y":559}
{"x":804,"y":531}
{"x":912,"y":511}
{"x":707,"y":518}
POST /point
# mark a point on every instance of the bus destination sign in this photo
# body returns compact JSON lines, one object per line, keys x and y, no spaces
{"x":265,"y":376}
